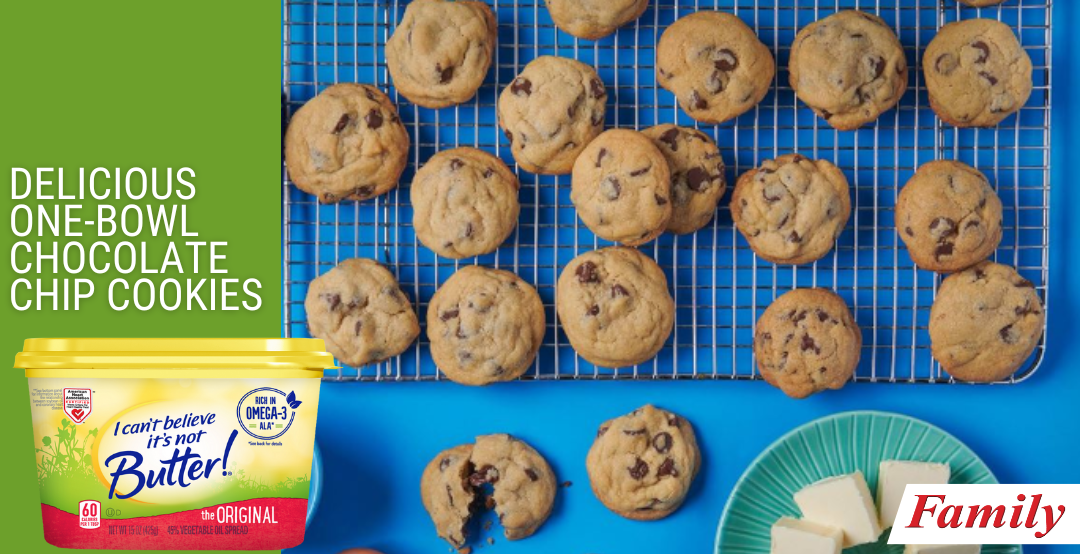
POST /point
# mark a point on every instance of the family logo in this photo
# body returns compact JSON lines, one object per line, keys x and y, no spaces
{"x":77,"y":404}
{"x":987,"y":514}
{"x":267,"y":413}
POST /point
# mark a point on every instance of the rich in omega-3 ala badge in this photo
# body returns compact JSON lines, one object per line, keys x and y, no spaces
{"x":169,"y":444}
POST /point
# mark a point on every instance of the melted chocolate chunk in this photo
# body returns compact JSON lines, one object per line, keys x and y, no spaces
{"x":984,"y":50}
{"x":445,"y":463}
{"x":944,"y":249}
{"x":660,"y":200}
{"x":697,"y":102}
{"x":728,"y":61}
{"x":358,"y":327}
{"x":618,"y":290}
{"x":456,"y":164}
{"x":808,"y":343}
{"x":597,"y":88}
{"x":639,"y":470}
{"x":374,"y":119}
{"x":593,"y":311}
{"x":486,"y":474}
{"x":697,"y":178}
{"x":334,"y":300}
{"x":1009,"y":334}
{"x":671,"y":138}
{"x":600,"y":156}
{"x":667,"y":468}
{"x":586,"y":273}
{"x":521,"y":86}
{"x":640,"y":172}
{"x":449,"y":314}
{"x":342,"y":123}
{"x":531,"y":473}
{"x":662,"y":442}
{"x":445,"y":74}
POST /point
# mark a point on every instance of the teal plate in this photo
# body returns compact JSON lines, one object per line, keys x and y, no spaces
{"x":832,"y":446}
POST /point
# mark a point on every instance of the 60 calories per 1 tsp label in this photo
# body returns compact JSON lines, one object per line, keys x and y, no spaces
{"x":160,"y":463}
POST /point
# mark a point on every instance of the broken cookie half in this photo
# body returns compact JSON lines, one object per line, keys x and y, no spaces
{"x":496,"y":471}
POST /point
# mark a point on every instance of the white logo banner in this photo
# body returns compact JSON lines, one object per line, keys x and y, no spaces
{"x":988,"y":514}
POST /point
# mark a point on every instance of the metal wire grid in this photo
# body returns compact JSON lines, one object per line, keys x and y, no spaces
{"x":720,"y":287}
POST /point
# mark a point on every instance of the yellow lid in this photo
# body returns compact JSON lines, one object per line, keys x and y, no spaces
{"x":171,"y":354}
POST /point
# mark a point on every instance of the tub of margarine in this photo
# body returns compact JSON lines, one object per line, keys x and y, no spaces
{"x":174,"y":443}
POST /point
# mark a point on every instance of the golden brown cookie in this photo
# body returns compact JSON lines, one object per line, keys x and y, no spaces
{"x":594,"y":19}
{"x":697,"y":175}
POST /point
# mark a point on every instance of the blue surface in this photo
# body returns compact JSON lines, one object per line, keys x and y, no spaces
{"x":376,"y":438}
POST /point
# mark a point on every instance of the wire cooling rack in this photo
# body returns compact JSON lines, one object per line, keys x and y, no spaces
{"x":720,"y":286}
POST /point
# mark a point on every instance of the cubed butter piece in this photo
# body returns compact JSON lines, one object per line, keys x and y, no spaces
{"x":942,"y":549}
{"x":792,"y":536}
{"x":845,"y":503}
{"x":895,"y":476}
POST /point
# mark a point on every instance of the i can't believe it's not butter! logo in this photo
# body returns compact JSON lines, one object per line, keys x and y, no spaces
{"x":267,"y":413}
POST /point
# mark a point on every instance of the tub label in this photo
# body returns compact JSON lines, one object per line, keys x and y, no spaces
{"x":174,"y":463}
{"x":78,"y":404}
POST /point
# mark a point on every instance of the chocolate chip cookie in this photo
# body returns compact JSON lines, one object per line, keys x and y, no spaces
{"x":949,"y":217}
{"x":551,"y":112}
{"x":697,"y":175}
{"x":441,"y":51}
{"x":977,"y":73}
{"x":981,"y":3}
{"x":361,"y":313}
{"x":594,"y":19}
{"x":715,"y":65}
{"x":985,"y":323}
{"x":522,"y":487}
{"x":485,"y":326}
{"x":465,"y":203}
{"x":807,"y":342}
{"x":849,"y":68}
{"x":642,"y":464}
{"x":615,"y":306}
{"x":347,"y":143}
{"x":791,"y":210}
{"x":621,"y":188}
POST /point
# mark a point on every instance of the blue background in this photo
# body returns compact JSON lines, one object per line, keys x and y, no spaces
{"x":376,"y":438}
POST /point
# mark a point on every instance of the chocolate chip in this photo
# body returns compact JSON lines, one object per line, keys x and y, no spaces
{"x":639,"y":470}
{"x":879,"y":66}
{"x":445,"y":75}
{"x":449,"y":314}
{"x":944,"y":249}
{"x":808,"y":343}
{"x":468,"y":230}
{"x":334,"y":300}
{"x":488,"y":173}
{"x":660,"y":200}
{"x":617,"y":290}
{"x":445,"y":463}
{"x":662,"y":442}
{"x":982,"y":47}
{"x":509,"y":135}
{"x":1009,"y":334}
{"x":1026,"y":309}
{"x":586,"y":273}
{"x":697,"y":178}
{"x":532,"y":474}
{"x":671,"y":138}
{"x":826,"y":114}
{"x":374,"y":119}
{"x":597,"y":88}
{"x":822,"y":316}
{"x":728,"y":61}
{"x":611,"y":187}
{"x":794,"y":237}
{"x":910,"y":232}
{"x":456,"y":164}
{"x":640,"y":172}
{"x":946,"y":64}
{"x":600,"y":156}
{"x":799,"y":318}
{"x":600,"y":432}
{"x":521,"y":85}
{"x":342,"y":123}
{"x":715,"y":83}
{"x":697,"y":102}
{"x":942,"y":226}
{"x":1025,"y":284}
{"x":634,"y":432}
{"x":370,"y":95}
{"x":593,"y":311}
{"x":776,"y":193}
{"x":364,"y":192}
{"x":989,"y":78}
{"x":486,"y":474}
{"x":356,"y":329}
{"x":667,"y":468}
{"x":766,"y":336}
{"x":972,"y":224}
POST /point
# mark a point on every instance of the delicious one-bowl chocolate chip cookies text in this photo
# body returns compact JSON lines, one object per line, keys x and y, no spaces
{"x":465,"y":203}
{"x":594,"y":19}
{"x":455,"y":484}
{"x":441,"y":51}
{"x":642,"y":464}
{"x":361,"y":313}
{"x":807,"y":342}
{"x":346,"y":143}
{"x":551,"y":112}
{"x":715,"y":65}
{"x":949,"y":217}
{"x":485,"y":325}
{"x":791,"y":210}
{"x":622,"y":188}
{"x":697,"y":175}
{"x":985,"y":323}
{"x":615,"y":306}
{"x":977,"y":73}
{"x":849,"y":68}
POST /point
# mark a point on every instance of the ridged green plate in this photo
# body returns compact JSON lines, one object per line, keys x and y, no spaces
{"x":832,"y":446}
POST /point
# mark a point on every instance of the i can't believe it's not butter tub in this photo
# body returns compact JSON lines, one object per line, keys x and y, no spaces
{"x":174,"y":443}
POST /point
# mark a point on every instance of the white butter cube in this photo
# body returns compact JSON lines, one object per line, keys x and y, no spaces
{"x":895,"y":476}
{"x":845,"y":503}
{"x":792,"y":536}
{"x":942,"y":548}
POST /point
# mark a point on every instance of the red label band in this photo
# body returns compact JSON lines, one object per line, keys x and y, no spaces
{"x":257,"y":524}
